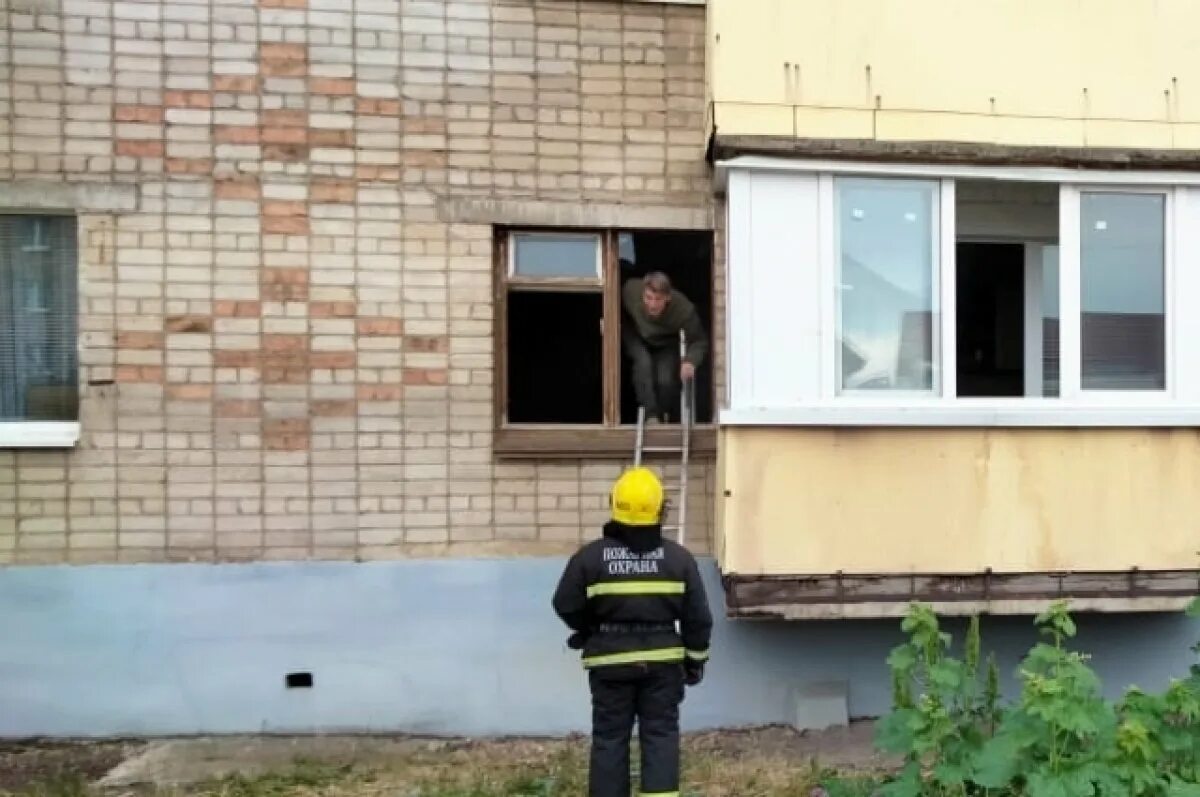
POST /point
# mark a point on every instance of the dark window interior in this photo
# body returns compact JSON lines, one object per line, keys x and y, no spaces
{"x":686,"y":257}
{"x":555,"y":357}
{"x":990,"y":319}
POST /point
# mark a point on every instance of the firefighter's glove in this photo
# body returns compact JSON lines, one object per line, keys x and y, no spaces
{"x":693,"y":672}
{"x":577,"y":640}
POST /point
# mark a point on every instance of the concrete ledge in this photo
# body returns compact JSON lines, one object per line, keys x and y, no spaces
{"x":542,"y":213}
{"x":846,"y":597}
{"x":954,"y":152}
{"x":27,"y":195}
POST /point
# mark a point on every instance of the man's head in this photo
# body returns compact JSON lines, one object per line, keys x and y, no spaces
{"x":656,"y":293}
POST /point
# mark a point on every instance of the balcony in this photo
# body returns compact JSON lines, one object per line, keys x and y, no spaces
{"x":973,"y":386}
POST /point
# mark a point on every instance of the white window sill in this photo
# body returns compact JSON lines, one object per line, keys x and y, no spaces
{"x":1034,"y":413}
{"x":39,"y":434}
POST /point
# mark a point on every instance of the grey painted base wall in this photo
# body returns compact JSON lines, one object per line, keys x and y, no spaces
{"x":438,"y":647}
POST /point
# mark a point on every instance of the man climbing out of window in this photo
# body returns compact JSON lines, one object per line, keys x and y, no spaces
{"x":654,"y":315}
{"x":622,"y":596}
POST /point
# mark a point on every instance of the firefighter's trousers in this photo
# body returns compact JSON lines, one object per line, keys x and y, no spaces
{"x":649,"y":694}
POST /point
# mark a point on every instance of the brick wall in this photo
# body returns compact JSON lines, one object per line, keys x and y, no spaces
{"x":287,"y":347}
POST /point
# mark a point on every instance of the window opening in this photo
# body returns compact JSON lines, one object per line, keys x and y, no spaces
{"x":567,"y":335}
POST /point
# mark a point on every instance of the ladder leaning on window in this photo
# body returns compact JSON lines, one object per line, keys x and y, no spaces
{"x":687,"y":410}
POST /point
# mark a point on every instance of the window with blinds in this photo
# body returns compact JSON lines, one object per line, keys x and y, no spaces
{"x":38,"y":360}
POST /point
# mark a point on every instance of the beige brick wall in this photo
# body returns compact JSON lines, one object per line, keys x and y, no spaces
{"x":287,"y":348}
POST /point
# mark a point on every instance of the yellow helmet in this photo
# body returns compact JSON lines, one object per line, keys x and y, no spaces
{"x":637,"y":498}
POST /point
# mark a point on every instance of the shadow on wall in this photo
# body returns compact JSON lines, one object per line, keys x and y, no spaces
{"x":436,"y":647}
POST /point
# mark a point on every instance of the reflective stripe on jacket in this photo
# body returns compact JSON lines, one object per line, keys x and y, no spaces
{"x":637,"y":598}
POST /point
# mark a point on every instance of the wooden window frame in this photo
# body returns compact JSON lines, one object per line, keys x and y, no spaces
{"x":610,"y":438}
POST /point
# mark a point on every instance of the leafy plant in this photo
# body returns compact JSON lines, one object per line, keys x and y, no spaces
{"x":1060,"y":738}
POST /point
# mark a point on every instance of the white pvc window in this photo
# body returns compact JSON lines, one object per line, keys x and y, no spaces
{"x":868,"y":256}
{"x":887,"y":285}
{"x":1122,"y":281}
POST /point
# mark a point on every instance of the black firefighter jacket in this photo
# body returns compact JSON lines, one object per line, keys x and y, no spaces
{"x":624,"y":592}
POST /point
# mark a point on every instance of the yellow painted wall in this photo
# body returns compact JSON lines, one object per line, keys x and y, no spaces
{"x":815,"y":501}
{"x":998,"y":71}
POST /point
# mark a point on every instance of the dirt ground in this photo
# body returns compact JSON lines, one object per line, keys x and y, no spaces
{"x":762,"y":761}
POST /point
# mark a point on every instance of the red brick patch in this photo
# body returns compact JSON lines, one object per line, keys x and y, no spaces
{"x":142,"y":341}
{"x":331,"y":138}
{"x":335,"y":409}
{"x":190,"y":392}
{"x":284,"y":118}
{"x":285,"y":284}
{"x":188,"y":99}
{"x":332,"y":191}
{"x":281,"y":208}
{"x":283,"y":60}
{"x":239,"y":408}
{"x":426,"y":344}
{"x":376,"y":327}
{"x":285,"y":153}
{"x":189,"y":166}
{"x":139,"y":149}
{"x":332,"y":310}
{"x":389,"y":173}
{"x":237,"y":189}
{"x":139,"y":373}
{"x":226,"y":308}
{"x":331,"y":360}
{"x":284,"y":344}
{"x":149,"y":114}
{"x":236,"y":134}
{"x":287,"y":434}
{"x":371,"y":107}
{"x":236,"y":84}
{"x":189,"y":323}
{"x":284,"y":135}
{"x":425,"y":125}
{"x":337,"y":87}
{"x":424,"y":159}
{"x":425,"y":376}
{"x":285,"y":225}
{"x":236,"y":358}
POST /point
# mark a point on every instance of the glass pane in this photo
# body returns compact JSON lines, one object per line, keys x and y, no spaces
{"x":1122,"y":291}
{"x":887,"y":289}
{"x":1050,"y":340}
{"x":572,"y":256}
{"x":37,"y":318}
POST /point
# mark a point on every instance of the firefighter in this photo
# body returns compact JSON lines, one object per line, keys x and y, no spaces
{"x":622,"y":595}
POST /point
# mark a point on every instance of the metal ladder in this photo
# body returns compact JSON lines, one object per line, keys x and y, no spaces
{"x":687,"y":410}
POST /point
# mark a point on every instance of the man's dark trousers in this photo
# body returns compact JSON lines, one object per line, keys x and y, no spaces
{"x":649,"y":694}
{"x":655,"y":374}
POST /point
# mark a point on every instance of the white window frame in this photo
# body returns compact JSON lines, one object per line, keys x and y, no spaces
{"x":1071,"y":291}
{"x":1073,"y":406}
{"x":17,"y":434}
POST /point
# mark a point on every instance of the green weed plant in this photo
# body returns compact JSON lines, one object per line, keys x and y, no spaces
{"x":1059,"y":738}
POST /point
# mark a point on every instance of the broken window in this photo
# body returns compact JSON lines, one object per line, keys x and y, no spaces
{"x":561,"y":317}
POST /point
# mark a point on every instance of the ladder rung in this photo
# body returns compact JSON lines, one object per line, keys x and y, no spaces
{"x":662,"y":450}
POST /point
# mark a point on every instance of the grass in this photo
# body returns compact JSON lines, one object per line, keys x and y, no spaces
{"x":712,"y":768}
